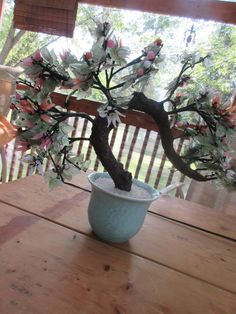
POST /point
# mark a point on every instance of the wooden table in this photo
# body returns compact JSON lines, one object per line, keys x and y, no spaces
{"x":182,"y":261}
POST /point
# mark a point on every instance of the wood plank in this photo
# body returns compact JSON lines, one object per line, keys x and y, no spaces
{"x":221,"y":11}
{"x":69,"y":5}
{"x":46,"y":14}
{"x":207,"y":194}
{"x":174,"y":245}
{"x":196,"y":215}
{"x":32,"y":23}
{"x":46,"y":264}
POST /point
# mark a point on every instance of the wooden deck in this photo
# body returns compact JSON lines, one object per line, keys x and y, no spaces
{"x":182,"y":261}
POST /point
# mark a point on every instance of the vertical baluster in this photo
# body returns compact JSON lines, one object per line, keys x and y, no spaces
{"x":8,"y":150}
{"x":134,"y":139}
{"x":75,"y":125}
{"x":163,"y":160}
{"x":172,"y":170}
{"x":113,"y":138}
{"x":182,"y":179}
{"x":83,"y":133}
{"x":122,"y":145}
{"x":142,"y":152}
{"x":13,"y":162}
{"x":20,"y":168}
{"x":154,"y":152}
{"x":89,"y":150}
{"x":96,"y":165}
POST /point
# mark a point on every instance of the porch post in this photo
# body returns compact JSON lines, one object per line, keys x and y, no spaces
{"x":1,"y":10}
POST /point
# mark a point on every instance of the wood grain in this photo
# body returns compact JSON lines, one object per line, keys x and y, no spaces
{"x":49,"y":16}
{"x":221,"y":11}
{"x":185,"y":249}
{"x":50,"y":267}
{"x":196,"y":215}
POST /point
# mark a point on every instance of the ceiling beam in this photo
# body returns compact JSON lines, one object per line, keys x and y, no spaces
{"x":220,"y":11}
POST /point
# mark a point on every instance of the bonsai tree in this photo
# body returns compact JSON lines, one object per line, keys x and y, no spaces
{"x":43,"y":129}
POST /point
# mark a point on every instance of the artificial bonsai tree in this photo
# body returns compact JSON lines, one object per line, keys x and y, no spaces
{"x":43,"y":129}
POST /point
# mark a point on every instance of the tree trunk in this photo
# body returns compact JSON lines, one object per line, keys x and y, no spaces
{"x":10,"y":42}
{"x":99,"y":140}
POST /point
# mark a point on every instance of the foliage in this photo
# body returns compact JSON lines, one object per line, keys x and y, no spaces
{"x":29,"y":42}
{"x":221,"y":71}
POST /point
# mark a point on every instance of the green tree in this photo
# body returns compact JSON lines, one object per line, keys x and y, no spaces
{"x":16,"y":44}
{"x":221,"y":74}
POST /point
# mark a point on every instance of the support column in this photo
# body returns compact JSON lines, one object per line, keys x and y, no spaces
{"x":1,"y":10}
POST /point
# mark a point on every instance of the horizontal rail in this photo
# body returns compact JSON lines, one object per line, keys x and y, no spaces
{"x":220,"y":11}
{"x":132,"y":117}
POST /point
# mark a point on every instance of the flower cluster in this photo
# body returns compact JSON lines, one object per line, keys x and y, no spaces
{"x":209,"y":146}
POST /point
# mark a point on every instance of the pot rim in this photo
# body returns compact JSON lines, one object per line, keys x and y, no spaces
{"x":152,"y":192}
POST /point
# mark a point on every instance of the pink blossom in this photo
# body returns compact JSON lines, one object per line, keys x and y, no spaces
{"x":46,"y":105}
{"x":88,"y":55}
{"x":140,"y":72}
{"x":226,"y":154}
{"x":180,"y":124}
{"x":29,"y":124}
{"x":22,"y":145}
{"x":37,"y":136}
{"x":38,"y":83}
{"x":216,"y":100}
{"x":151,"y":55}
{"x":147,"y":64}
{"x":64,"y":55}
{"x":158,"y":42}
{"x":224,"y":141}
{"x":38,"y":56}
{"x":25,"y":106}
{"x":45,"y":118}
{"x":27,"y":62}
{"x":17,"y":96}
{"x":46,"y":143}
{"x":110,"y":43}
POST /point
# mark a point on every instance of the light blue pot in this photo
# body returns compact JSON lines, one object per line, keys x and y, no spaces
{"x":117,"y":218}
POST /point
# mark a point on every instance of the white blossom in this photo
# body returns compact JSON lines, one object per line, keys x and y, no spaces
{"x":34,"y":163}
{"x":111,"y":113}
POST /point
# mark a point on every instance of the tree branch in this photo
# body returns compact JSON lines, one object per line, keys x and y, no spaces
{"x":156,"y":111}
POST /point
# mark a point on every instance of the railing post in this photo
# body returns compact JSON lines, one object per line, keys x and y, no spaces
{"x":1,"y":10}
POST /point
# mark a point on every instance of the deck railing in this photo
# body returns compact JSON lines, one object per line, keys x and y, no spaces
{"x":135,"y":143}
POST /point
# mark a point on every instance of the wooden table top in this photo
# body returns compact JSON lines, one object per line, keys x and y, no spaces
{"x":183,"y":260}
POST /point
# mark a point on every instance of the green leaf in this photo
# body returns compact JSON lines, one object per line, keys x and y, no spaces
{"x":46,"y":55}
{"x":85,"y":165}
{"x":67,"y":175}
{"x":54,"y":183}
{"x":33,"y":71}
{"x":66,"y":128}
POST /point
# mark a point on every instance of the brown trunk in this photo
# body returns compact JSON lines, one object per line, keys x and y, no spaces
{"x":99,"y":140}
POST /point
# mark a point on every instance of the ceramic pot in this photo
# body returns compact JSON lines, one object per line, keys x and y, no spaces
{"x":115,"y":217}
